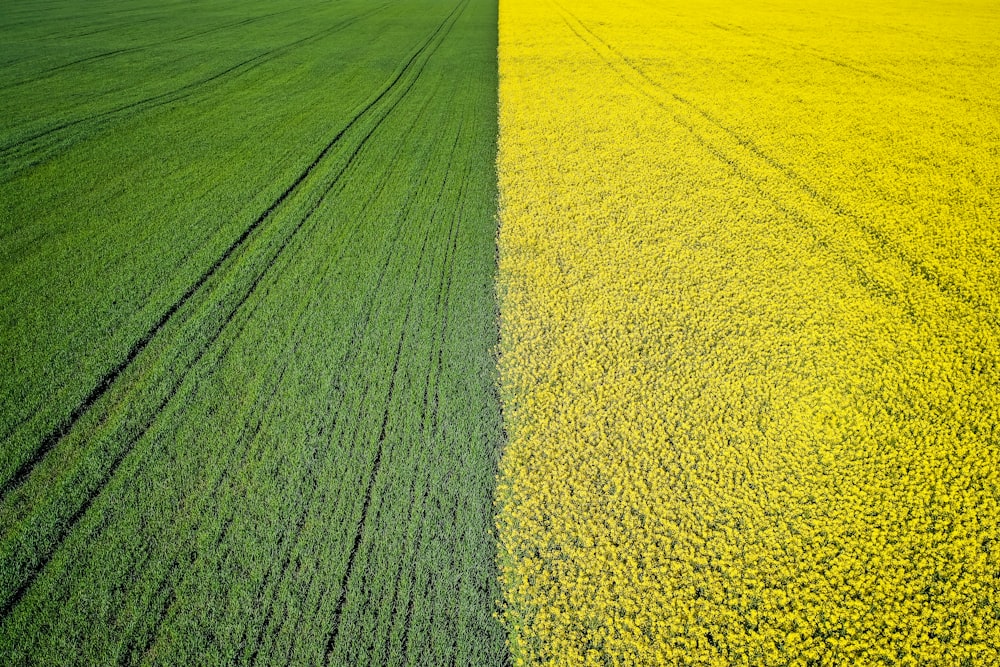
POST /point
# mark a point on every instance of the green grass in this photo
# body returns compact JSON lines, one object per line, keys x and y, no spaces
{"x":248,"y":410}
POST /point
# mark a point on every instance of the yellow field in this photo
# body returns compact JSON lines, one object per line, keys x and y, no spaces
{"x":750,"y":258}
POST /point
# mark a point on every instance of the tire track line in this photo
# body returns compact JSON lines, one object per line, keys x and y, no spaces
{"x":248,"y":436}
{"x":426,"y":415}
{"x":100,"y":30}
{"x":360,"y":332}
{"x":5,"y":486}
{"x":435,"y":405}
{"x":376,"y":466}
{"x":27,"y":146}
{"x":263,"y":407}
{"x":40,"y":14}
{"x":353,"y":348}
{"x":51,"y":71}
{"x":436,"y":316}
{"x":856,"y":67}
{"x":437,"y":426}
{"x":718,"y":153}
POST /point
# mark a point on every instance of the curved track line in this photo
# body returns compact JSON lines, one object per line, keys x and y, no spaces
{"x":29,"y":147}
{"x":51,"y":71}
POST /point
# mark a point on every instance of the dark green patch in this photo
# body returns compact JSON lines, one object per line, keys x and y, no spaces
{"x":247,"y":308}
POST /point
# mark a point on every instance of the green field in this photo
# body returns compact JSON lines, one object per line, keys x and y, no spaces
{"x":248,"y":406}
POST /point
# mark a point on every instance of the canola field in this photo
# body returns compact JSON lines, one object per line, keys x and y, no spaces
{"x":749,"y":258}
{"x":449,"y":332}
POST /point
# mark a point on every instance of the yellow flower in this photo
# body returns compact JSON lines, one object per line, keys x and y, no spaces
{"x":750,"y":332}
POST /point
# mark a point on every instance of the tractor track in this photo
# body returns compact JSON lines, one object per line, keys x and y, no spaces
{"x":251,"y":438}
{"x":39,"y":143}
{"x":426,"y":414}
{"x":51,"y":71}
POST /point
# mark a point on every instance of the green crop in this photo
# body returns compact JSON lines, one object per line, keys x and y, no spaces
{"x":248,"y":410}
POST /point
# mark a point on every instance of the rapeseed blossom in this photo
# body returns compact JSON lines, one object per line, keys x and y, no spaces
{"x":750,"y":333}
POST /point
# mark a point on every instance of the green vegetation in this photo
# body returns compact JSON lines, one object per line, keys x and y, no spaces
{"x":248,"y":409}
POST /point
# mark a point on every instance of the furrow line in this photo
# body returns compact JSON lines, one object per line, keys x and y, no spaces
{"x":699,"y":138}
{"x":440,"y":314}
{"x":436,"y":403}
{"x":454,"y":506}
{"x":338,"y":608}
{"x":353,"y":349}
{"x":100,"y":30}
{"x":106,"y":14}
{"x":262,"y":406}
{"x":859,"y":68}
{"x":376,"y":466}
{"x":436,"y":413}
